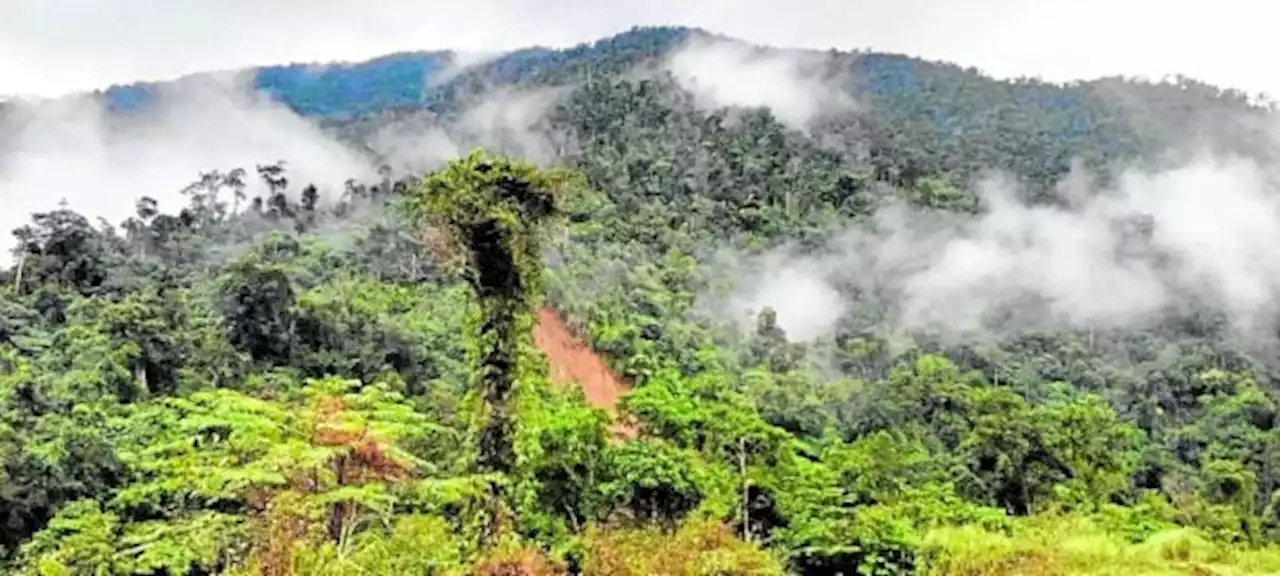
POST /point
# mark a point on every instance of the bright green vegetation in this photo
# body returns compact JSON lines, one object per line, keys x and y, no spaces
{"x":288,"y":385}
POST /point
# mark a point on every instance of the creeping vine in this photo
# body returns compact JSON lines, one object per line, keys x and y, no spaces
{"x":484,"y":217}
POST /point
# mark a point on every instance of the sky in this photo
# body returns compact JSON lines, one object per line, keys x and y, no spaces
{"x":51,"y":47}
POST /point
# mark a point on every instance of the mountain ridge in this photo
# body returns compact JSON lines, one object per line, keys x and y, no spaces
{"x":410,"y":85}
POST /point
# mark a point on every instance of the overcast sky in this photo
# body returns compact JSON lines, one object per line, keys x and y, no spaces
{"x":54,"y":46}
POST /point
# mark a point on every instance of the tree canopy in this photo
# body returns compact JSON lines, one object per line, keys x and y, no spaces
{"x":313,"y":381}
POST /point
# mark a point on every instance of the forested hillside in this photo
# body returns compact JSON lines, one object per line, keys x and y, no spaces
{"x":932,"y":323}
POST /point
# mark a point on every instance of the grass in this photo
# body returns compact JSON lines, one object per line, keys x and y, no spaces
{"x":1078,"y":546}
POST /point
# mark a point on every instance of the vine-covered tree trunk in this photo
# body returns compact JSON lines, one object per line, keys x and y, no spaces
{"x":491,"y":210}
{"x":502,"y":299}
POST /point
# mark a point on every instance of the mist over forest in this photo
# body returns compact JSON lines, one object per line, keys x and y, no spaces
{"x":869,"y":314}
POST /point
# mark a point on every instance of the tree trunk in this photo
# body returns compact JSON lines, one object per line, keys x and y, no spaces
{"x":17,"y":277}
{"x":746,"y":485}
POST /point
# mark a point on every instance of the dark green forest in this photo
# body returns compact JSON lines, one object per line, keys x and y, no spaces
{"x":277,"y":378}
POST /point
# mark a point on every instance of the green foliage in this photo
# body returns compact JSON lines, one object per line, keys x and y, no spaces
{"x":284,"y":385}
{"x":698,"y":548}
{"x":490,"y":211}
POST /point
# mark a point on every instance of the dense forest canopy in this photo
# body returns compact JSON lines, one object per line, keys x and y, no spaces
{"x":878,"y":315}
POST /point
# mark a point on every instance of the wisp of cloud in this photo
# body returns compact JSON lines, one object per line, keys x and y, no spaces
{"x":792,"y":84}
{"x":1203,"y":233}
{"x":100,"y":163}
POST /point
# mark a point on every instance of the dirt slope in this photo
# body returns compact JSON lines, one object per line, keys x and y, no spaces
{"x":573,"y":362}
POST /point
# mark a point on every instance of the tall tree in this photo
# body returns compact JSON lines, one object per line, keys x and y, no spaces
{"x":483,"y":216}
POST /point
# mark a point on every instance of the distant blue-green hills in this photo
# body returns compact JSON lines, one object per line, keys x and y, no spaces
{"x":934,"y":108}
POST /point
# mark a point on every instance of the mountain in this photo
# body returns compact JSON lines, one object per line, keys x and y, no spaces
{"x":941,"y":110}
{"x":412,"y":80}
{"x":866,"y":314}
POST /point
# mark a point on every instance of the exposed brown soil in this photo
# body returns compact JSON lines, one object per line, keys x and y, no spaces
{"x":573,"y":362}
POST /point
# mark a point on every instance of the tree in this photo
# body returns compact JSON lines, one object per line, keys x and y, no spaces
{"x":490,"y":211}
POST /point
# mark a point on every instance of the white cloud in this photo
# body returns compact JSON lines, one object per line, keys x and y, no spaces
{"x":100,"y":163}
{"x":798,"y":291}
{"x":508,"y":119}
{"x":54,"y":46}
{"x":1213,"y":227}
{"x":72,"y":149}
{"x":792,"y":84}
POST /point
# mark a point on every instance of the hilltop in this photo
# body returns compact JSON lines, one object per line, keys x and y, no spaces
{"x":917,"y":117}
{"x":855,"y":312}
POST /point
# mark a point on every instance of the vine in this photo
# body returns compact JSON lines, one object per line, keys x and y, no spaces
{"x":483,"y":217}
